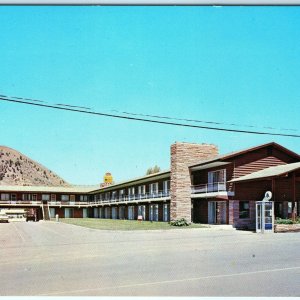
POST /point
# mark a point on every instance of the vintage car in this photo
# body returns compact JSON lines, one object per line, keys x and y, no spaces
{"x":3,"y":218}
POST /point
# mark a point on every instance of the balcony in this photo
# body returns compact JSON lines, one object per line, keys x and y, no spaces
{"x":209,"y":188}
{"x":135,"y":197}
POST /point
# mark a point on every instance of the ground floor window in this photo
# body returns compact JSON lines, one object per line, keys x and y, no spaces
{"x":107,"y":213}
{"x":130,"y":212}
{"x":244,"y":210}
{"x":142,"y":211}
{"x":166,"y":213}
{"x":69,"y":213}
{"x":96,"y":212}
{"x":153,"y":212}
{"x":114,"y":213}
{"x":121,"y":212}
{"x":52,"y":212}
{"x":101,"y":212}
{"x":84,"y":213}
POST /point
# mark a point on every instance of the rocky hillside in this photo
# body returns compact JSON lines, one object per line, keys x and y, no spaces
{"x":18,"y":169}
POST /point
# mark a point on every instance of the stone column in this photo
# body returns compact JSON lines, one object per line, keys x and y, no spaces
{"x":183,"y":155}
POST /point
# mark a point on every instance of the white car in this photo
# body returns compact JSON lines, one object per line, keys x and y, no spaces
{"x":3,"y":218}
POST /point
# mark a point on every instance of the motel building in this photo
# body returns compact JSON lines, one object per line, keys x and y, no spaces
{"x":201,"y":186}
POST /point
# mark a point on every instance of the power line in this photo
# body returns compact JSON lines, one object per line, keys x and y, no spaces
{"x":9,"y":99}
{"x":160,"y":116}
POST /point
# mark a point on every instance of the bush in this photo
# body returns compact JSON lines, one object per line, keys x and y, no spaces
{"x":180,"y":222}
{"x":284,"y":221}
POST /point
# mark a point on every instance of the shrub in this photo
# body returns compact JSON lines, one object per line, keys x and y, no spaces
{"x":180,"y":222}
{"x":284,"y":221}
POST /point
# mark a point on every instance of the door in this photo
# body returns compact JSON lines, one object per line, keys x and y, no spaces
{"x":211,"y":212}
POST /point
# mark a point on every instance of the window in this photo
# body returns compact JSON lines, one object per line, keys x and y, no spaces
{"x":130,"y":212}
{"x":153,"y":188}
{"x":72,"y":198}
{"x":53,"y":197}
{"x":64,"y":197}
{"x":153,"y":212}
{"x":166,"y":187}
{"x":113,"y":195}
{"x":113,"y":212}
{"x":107,"y":195}
{"x":85,"y":198}
{"x":217,"y":176}
{"x":244,"y":210}
{"x":26,"y":197}
{"x":217,"y":180}
{"x":166,"y":212}
{"x":121,"y":212}
{"x":141,"y":189}
{"x":45,"y":197}
{"x":4,"y":197}
{"x":142,"y":211}
{"x":121,"y":194}
{"x":34,"y":197}
{"x":131,"y":192}
{"x":13,"y":197}
{"x":107,"y":212}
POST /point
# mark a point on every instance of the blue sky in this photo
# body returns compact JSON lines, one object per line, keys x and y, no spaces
{"x":227,"y":64}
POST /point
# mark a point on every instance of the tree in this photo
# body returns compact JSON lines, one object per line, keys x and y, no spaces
{"x":153,"y":170}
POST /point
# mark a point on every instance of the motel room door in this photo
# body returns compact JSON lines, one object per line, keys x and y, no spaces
{"x":211,"y":212}
{"x":216,"y":212}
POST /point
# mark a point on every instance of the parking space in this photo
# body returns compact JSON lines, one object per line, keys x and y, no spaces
{"x":48,"y":258}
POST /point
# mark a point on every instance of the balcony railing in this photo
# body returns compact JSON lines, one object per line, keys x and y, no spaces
{"x":134,"y":197}
{"x":15,"y":202}
{"x":209,"y":188}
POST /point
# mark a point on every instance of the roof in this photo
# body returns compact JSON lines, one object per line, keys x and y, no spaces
{"x":269,"y":172}
{"x":240,"y":152}
{"x":141,"y":179}
{"x":49,"y":189}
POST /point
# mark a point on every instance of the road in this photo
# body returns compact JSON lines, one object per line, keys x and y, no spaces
{"x":56,"y":259}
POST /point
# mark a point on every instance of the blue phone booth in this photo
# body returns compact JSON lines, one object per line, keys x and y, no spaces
{"x":265,"y":214}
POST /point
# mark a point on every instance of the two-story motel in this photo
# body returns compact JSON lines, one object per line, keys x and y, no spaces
{"x":201,"y":186}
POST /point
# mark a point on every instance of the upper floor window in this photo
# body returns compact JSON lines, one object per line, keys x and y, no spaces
{"x":113,"y":195}
{"x":217,"y":176}
{"x":13,"y":197}
{"x":45,"y":197}
{"x":166,"y":186}
{"x":141,"y":189}
{"x":53,"y":197}
{"x":153,"y":188}
{"x":85,"y":197}
{"x":4,"y":197}
{"x":131,"y":191}
{"x":72,"y":197}
{"x":64,"y":197}
{"x":34,"y":197}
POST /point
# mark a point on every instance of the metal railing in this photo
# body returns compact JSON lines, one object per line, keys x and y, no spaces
{"x":209,"y":187}
{"x":15,"y":202}
{"x":134,"y":197}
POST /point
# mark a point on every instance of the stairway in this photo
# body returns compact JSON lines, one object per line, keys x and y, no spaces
{"x":46,"y":212}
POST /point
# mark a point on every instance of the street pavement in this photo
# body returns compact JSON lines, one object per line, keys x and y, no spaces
{"x":56,"y":259}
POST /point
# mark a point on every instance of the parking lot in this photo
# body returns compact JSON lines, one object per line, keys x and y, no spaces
{"x":56,"y":259}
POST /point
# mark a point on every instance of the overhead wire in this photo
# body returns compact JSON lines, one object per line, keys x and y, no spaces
{"x":86,"y":110}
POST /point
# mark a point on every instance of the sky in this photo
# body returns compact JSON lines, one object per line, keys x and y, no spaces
{"x":224,"y":64}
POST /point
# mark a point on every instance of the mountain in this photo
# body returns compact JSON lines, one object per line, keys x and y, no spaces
{"x":18,"y":169}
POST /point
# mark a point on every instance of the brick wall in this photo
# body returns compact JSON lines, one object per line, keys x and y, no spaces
{"x":183,"y":155}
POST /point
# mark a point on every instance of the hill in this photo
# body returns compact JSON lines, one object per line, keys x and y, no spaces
{"x":18,"y":169}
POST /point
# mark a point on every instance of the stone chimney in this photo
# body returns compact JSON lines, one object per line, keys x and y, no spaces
{"x":183,"y":155}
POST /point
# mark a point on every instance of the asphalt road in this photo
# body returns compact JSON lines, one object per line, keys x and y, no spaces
{"x":56,"y":259}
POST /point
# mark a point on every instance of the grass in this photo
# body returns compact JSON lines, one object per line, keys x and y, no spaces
{"x":108,"y":224}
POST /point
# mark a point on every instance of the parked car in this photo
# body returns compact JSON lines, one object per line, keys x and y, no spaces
{"x":31,"y":215}
{"x":3,"y":218}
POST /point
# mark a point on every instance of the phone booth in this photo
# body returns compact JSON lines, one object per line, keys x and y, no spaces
{"x":265,"y":214}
